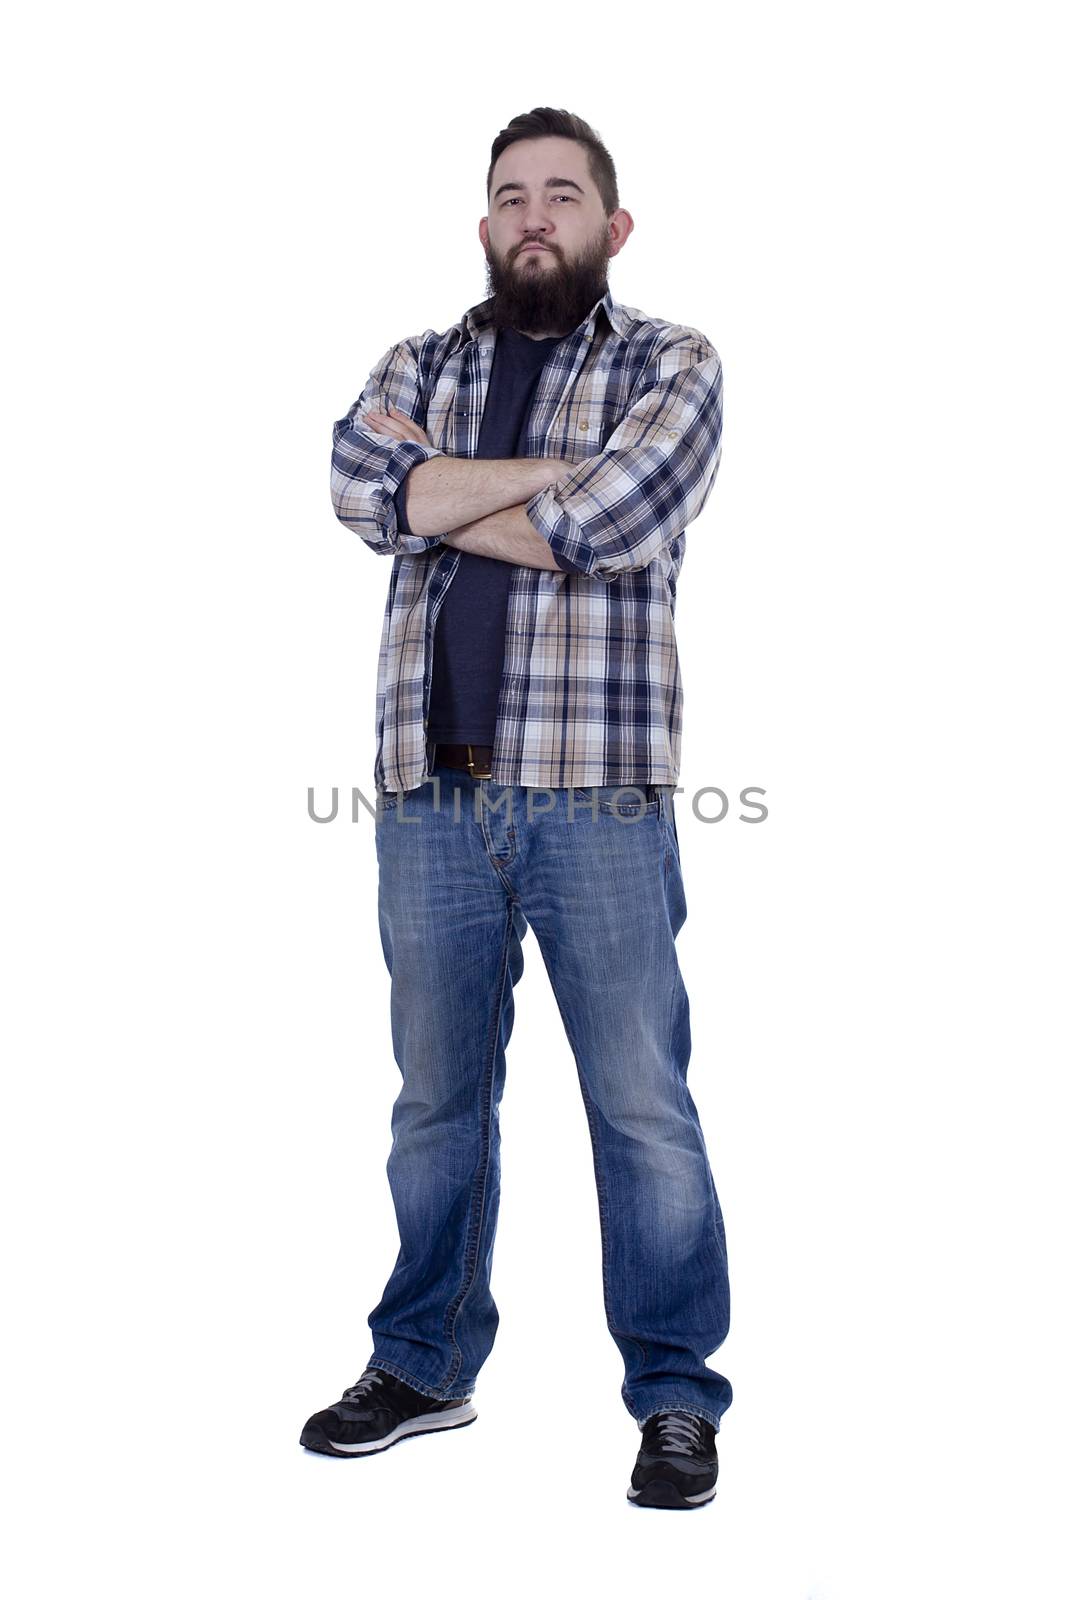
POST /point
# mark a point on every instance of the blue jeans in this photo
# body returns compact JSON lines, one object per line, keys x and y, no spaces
{"x":459,"y":881}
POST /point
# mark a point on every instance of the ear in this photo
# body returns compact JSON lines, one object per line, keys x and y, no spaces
{"x":483,"y":233}
{"x":622,"y":225}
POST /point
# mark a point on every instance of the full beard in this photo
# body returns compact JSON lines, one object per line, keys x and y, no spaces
{"x":538,"y":298}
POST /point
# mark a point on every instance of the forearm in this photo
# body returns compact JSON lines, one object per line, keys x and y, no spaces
{"x":446,"y":494}
{"x":508,"y":535}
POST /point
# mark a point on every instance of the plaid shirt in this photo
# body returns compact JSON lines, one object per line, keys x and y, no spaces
{"x":591,"y":692}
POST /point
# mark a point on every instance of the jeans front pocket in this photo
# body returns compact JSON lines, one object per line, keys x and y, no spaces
{"x":620,"y":800}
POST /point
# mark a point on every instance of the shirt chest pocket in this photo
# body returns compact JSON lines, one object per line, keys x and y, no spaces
{"x":441,"y":420}
{"x":580,"y":429}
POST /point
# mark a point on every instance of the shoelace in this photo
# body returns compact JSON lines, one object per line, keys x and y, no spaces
{"x":363,"y":1386}
{"x":677,"y":1431}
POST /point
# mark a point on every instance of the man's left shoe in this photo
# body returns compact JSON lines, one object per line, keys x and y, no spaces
{"x":677,"y":1465}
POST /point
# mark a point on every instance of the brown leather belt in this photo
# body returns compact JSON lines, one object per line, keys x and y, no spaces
{"x":473,"y":758}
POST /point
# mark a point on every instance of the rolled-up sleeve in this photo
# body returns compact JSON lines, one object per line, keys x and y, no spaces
{"x":368,"y":468}
{"x":651,"y":479}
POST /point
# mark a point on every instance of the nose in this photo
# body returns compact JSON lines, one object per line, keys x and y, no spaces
{"x":538,"y":226}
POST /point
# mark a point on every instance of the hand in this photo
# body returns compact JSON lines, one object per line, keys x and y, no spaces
{"x":395,"y":424}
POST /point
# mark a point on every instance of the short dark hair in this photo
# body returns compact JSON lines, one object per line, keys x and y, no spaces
{"x":545,"y":122}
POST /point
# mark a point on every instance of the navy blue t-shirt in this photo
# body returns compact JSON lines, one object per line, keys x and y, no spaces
{"x":468,"y":650}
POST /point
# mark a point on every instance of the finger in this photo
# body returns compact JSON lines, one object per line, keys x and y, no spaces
{"x":392,"y":416}
{"x":397,"y":425}
{"x":388,"y":428}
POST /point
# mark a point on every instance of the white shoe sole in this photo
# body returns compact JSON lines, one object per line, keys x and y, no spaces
{"x":430,"y":1422}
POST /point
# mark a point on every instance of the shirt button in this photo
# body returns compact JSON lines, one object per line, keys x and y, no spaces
{"x":673,"y":434}
{"x":583,"y":425}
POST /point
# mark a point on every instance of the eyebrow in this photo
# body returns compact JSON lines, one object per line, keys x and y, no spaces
{"x":550,"y":183}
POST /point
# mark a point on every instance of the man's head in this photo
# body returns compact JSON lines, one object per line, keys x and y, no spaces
{"x":551,"y":181}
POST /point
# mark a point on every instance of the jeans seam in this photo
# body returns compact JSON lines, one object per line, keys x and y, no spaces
{"x":482,"y":1174}
{"x":668,"y":823}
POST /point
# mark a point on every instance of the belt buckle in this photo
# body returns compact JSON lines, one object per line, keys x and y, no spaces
{"x":470,"y":765}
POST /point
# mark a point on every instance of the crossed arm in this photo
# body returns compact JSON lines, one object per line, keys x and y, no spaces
{"x":475,"y":505}
{"x":607,"y":514}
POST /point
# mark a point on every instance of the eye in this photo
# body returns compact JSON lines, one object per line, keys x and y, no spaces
{"x":517,"y":198}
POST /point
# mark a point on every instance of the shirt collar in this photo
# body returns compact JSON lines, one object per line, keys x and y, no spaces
{"x":479,"y":317}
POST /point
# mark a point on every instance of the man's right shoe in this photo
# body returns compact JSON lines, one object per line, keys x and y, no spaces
{"x":377,"y":1411}
{"x":677,"y":1464}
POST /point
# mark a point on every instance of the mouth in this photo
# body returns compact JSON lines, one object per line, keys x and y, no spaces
{"x":526,"y":247}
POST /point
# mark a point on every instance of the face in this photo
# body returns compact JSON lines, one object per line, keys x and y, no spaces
{"x":547,"y":238}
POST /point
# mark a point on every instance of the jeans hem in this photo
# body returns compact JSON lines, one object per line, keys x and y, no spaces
{"x":669,"y":1405}
{"x":415,"y":1383}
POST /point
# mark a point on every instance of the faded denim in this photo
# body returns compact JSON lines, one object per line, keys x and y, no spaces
{"x":605,"y":899}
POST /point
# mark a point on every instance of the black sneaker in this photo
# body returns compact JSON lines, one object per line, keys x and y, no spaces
{"x":677,"y":1465}
{"x":377,"y":1411}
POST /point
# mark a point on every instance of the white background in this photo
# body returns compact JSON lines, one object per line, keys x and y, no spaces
{"x":220,"y":218}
